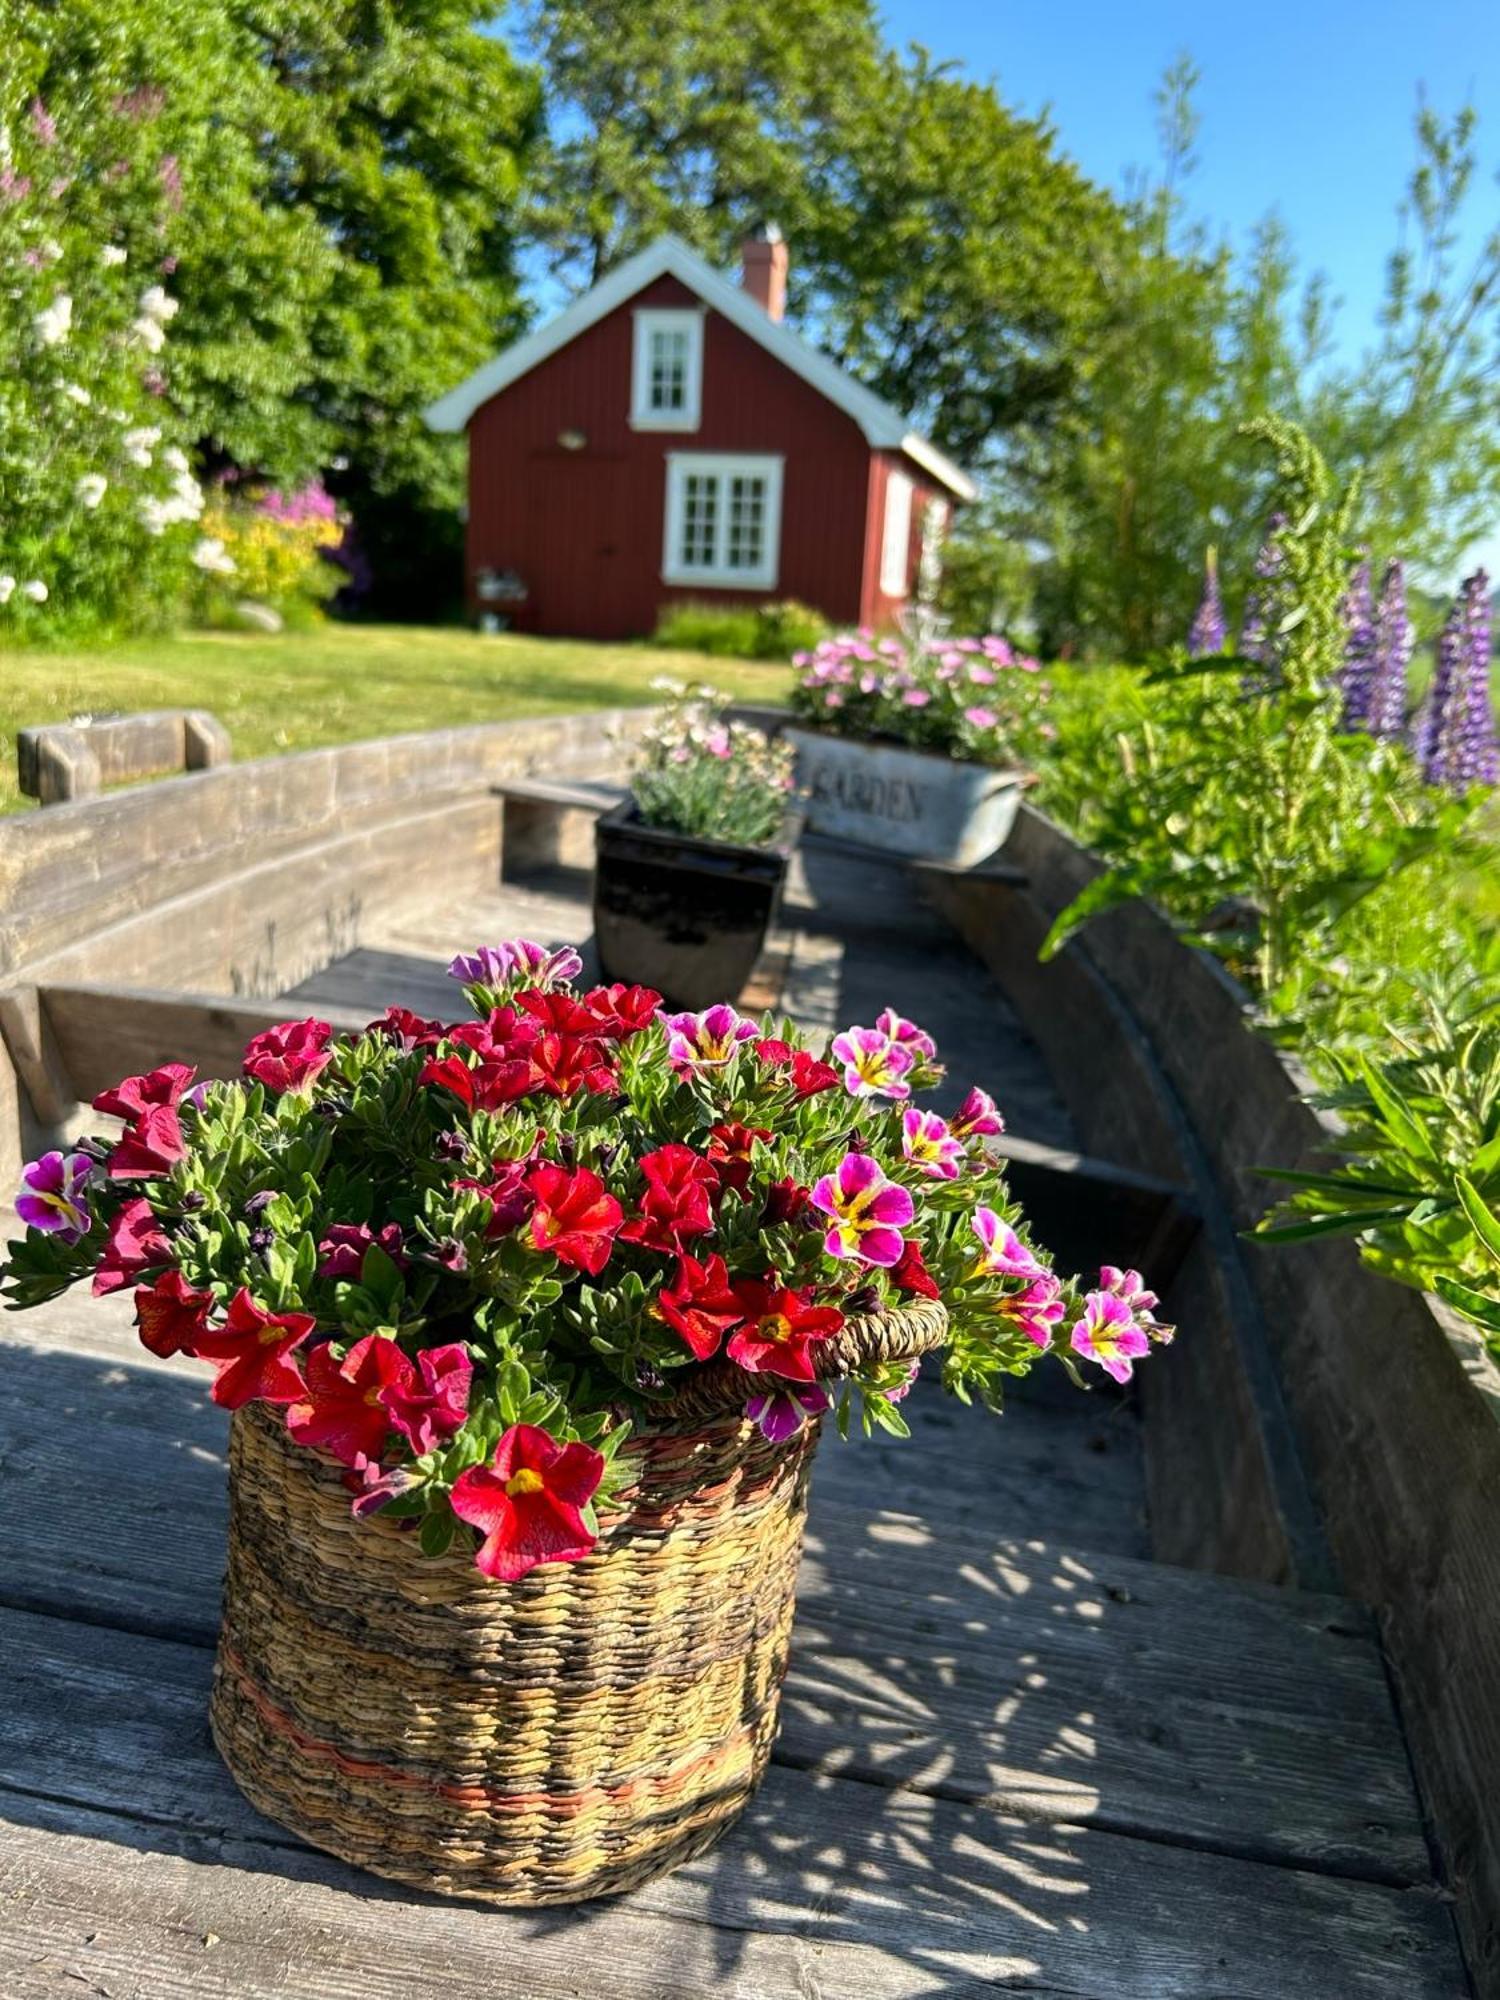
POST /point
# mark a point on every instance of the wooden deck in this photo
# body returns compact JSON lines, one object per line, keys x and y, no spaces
{"x":1017,"y":1754}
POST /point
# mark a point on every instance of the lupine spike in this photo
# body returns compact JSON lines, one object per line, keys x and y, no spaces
{"x":1467,"y":752}
{"x":1428,"y":729}
{"x":1359,"y":649}
{"x":1255,"y":642}
{"x":1387,"y":707}
{"x":1207,"y":634}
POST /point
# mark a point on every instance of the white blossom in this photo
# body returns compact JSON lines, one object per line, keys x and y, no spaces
{"x":157,"y":303}
{"x":90,"y":488}
{"x":36,"y":590}
{"x":112,"y":254}
{"x":76,"y":393}
{"x":148,"y":332}
{"x":138,"y":444}
{"x":211,"y":555}
{"x":175,"y":458}
{"x":54,"y":321}
{"x":7,"y":589}
{"x":152,"y":514}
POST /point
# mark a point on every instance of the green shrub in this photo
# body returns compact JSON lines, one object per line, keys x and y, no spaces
{"x":740,"y":631}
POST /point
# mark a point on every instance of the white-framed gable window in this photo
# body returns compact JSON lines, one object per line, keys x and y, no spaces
{"x":723,"y":519}
{"x":667,"y":369}
{"x":895,"y":540}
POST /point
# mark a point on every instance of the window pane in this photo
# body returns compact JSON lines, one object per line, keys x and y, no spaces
{"x":747,"y":522}
{"x":669,"y":364}
{"x":700,"y":510}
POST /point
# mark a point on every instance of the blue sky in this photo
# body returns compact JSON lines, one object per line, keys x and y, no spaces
{"x":1305,"y":109}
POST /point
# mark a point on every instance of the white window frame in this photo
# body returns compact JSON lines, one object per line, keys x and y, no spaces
{"x":722,"y":466}
{"x":895,"y":534}
{"x":651,"y":320}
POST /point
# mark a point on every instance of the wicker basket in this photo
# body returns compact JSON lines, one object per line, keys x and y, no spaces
{"x":567,"y":1736}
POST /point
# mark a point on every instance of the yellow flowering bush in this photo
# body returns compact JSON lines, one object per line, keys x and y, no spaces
{"x":273,"y":550}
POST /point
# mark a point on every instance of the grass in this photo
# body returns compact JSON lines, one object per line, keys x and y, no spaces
{"x":340,"y":683}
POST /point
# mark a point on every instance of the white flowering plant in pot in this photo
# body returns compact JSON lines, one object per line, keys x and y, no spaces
{"x":100,"y":525}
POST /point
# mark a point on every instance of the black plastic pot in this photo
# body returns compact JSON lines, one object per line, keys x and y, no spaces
{"x":686,"y":916}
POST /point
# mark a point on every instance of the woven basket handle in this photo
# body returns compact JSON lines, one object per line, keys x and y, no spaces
{"x":867,"y":1342}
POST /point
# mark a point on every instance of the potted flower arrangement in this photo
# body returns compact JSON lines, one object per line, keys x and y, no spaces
{"x":528,"y":1325}
{"x":920,"y":745}
{"x":690,"y":868}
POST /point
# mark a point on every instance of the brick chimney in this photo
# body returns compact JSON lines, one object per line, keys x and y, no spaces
{"x":763,"y":267}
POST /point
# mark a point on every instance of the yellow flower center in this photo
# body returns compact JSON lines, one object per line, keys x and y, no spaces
{"x":525,"y":1481}
{"x":776,"y":1326}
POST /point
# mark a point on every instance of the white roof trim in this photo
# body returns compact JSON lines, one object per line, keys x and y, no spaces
{"x":883,"y":427}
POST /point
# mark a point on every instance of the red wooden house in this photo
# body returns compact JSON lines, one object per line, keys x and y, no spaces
{"x":669,"y":437}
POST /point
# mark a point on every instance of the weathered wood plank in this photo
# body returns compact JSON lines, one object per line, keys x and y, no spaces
{"x":929,"y":1654}
{"x":102,"y":1033}
{"x":891,"y":1892}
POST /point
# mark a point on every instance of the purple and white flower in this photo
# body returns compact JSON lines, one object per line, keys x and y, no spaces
{"x":1108,"y":1334}
{"x":784,"y":1410}
{"x":866,"y":1211}
{"x":874,"y":1065}
{"x":928,"y":1142}
{"x":708,"y":1040}
{"x":1003,"y":1254}
{"x":52,"y":1197}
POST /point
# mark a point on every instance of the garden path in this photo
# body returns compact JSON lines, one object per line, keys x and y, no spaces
{"x":1017,"y":1754}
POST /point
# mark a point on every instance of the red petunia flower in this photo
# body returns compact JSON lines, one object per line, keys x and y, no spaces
{"x":345,"y":1411}
{"x":773,"y":1052}
{"x":407,"y":1030}
{"x":780,"y":1328}
{"x":622,"y":1011}
{"x":159,"y":1086}
{"x":153,"y":1145}
{"x":252,"y":1353}
{"x":676,"y":1202}
{"x":134,"y":1242}
{"x":809,"y":1076}
{"x":786,"y":1201}
{"x":429,"y":1403}
{"x":528,"y":1502}
{"x":576,"y":1217}
{"x":558,"y":1013}
{"x":732,"y":1150}
{"x":700,"y":1304}
{"x":171,"y":1315}
{"x":289,"y":1057}
{"x":910,"y":1273}
{"x":564,"y":1064}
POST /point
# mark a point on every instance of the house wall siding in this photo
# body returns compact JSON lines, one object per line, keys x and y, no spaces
{"x":583,"y":528}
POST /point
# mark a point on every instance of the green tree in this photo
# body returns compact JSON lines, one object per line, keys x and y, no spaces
{"x":701,"y":119}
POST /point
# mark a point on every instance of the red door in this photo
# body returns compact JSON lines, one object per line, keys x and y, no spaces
{"x":578,"y":532}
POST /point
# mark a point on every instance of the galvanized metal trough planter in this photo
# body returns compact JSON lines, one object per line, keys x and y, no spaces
{"x":910,"y":802}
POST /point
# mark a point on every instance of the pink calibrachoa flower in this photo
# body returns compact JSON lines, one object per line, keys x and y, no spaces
{"x":977,"y":1115}
{"x":136,"y":1094}
{"x":867,"y":1212}
{"x":289,"y":1058}
{"x":1130,"y":1287}
{"x":1004,"y":1255}
{"x":517,"y":958}
{"x":874,"y":1065}
{"x":428,"y":1404}
{"x":931,"y":1147}
{"x":707,"y":1040}
{"x":528,"y":1502}
{"x":906,"y":1034}
{"x":783,"y":1411}
{"x":52,"y":1197}
{"x":152,"y":1147}
{"x":342,"y":1250}
{"x":981,"y":718}
{"x":1108,"y":1334}
{"x":1036,"y":1309}
{"x":134,"y":1242}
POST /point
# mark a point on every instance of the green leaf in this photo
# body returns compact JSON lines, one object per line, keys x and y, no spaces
{"x":1477,"y":1306}
{"x":1482,"y":1218}
{"x":1325,"y":1225}
{"x":435,"y":1535}
{"x":1396,"y":1112}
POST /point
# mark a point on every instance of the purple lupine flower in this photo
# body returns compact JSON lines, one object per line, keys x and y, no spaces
{"x":1255,"y":642}
{"x":1208,"y":628}
{"x":1427,"y":730}
{"x":1359,"y":649}
{"x":1467,"y":753}
{"x":1387,"y":706}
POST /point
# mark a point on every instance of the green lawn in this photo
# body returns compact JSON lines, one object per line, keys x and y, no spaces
{"x":342,"y":682}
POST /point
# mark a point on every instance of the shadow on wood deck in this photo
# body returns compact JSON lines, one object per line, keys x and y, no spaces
{"x":1017,"y":1754}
